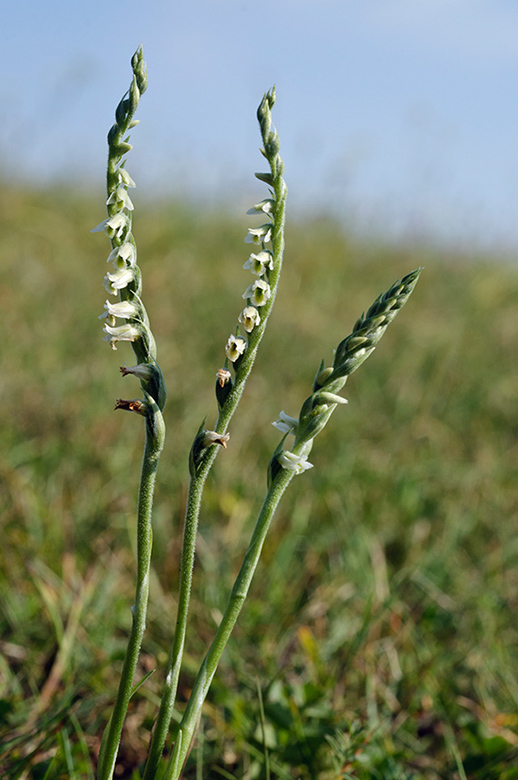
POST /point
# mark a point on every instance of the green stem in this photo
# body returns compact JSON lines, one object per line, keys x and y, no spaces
{"x":155,"y":434}
{"x":234,"y":607}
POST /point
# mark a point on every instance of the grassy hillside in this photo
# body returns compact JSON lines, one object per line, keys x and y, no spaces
{"x":381,"y":626}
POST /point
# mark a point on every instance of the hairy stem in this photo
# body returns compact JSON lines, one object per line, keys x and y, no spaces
{"x":155,"y":434}
{"x":232,"y":611}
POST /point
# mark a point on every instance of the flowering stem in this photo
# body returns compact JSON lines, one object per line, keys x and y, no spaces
{"x":155,"y":435}
{"x":125,"y":281}
{"x":228,"y":621}
{"x":201,"y":470}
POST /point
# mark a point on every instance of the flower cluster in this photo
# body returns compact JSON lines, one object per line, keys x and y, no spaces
{"x":265,"y":260}
{"x":126,"y":319}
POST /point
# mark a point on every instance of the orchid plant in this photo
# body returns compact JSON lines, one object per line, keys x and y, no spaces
{"x":124,"y":282}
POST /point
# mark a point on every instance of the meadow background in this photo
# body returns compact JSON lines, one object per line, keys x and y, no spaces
{"x":381,"y":626}
{"x":379,"y":638}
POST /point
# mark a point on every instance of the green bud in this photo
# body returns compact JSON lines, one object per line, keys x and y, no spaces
{"x":266,"y":177}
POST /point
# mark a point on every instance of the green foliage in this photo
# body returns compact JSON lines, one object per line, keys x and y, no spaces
{"x":381,"y":624}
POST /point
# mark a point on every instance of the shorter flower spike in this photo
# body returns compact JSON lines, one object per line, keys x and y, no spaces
{"x":350,"y":354}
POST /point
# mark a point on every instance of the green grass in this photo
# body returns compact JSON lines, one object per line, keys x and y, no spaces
{"x":381,"y":626}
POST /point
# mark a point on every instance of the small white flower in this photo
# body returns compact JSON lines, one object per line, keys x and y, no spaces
{"x":125,"y":178}
{"x":259,"y":292}
{"x":142,"y":371}
{"x":234,"y":348}
{"x":267,"y":206}
{"x":121,"y":333}
{"x":259,"y":263}
{"x":124,"y":309}
{"x":120,"y":199}
{"x":286,"y":424}
{"x":249,"y":318}
{"x":113,"y":227}
{"x":258,"y":235}
{"x":297,"y":463}
{"x":117,"y":281}
{"x":123,"y":255}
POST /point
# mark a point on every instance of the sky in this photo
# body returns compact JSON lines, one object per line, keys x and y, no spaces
{"x":399,"y":117}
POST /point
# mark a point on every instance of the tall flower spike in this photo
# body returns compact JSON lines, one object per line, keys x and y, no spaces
{"x":125,"y":279}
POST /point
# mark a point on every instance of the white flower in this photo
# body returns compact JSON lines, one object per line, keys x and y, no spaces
{"x":286,"y":424}
{"x":259,"y":235}
{"x":117,"y":281}
{"x":267,"y":205}
{"x":121,"y":333}
{"x":297,"y":463}
{"x":113,"y":226}
{"x":234,"y":348}
{"x":259,"y":292}
{"x":120,"y":199}
{"x":126,"y":178}
{"x":123,"y":255}
{"x":249,"y":318}
{"x":259,"y":263}
{"x":124,"y":309}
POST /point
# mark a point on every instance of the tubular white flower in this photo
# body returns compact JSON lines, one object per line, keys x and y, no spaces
{"x":249,"y":318}
{"x":258,"y":235}
{"x":234,"y":348}
{"x":259,"y":263}
{"x":117,"y":281}
{"x":120,"y":199}
{"x":113,"y":226}
{"x":123,"y":255}
{"x":286,"y":424}
{"x":259,"y":292}
{"x":121,"y":333}
{"x":267,"y":206}
{"x":125,"y":178}
{"x":292,"y":462}
{"x":124,"y":309}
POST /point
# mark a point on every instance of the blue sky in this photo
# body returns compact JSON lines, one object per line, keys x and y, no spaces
{"x":395,"y":115}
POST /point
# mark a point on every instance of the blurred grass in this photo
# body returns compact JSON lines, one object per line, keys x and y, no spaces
{"x":381,"y":626}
